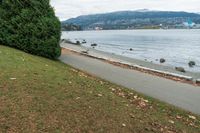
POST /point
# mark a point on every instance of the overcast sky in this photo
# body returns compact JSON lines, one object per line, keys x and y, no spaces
{"x":66,"y":9}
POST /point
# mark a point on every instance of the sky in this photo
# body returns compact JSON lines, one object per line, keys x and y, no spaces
{"x":66,"y":9}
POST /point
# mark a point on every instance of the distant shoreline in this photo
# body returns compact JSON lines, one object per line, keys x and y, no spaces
{"x":132,"y":29}
{"x":139,"y":65}
{"x":177,"y":47}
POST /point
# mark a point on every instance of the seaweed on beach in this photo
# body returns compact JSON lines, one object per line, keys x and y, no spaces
{"x":30,"y":25}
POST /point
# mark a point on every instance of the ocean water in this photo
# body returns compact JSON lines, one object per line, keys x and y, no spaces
{"x":178,"y":47}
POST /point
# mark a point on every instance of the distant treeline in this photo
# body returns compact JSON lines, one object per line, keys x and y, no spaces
{"x":71,"y":27}
{"x":30,"y":25}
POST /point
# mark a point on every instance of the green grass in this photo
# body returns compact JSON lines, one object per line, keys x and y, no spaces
{"x":41,"y":95}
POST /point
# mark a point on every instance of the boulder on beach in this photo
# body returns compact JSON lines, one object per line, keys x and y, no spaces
{"x":198,"y":81}
{"x":64,"y":41}
{"x":85,"y":52}
{"x":70,"y":42}
{"x":94,"y":45}
{"x":180,"y":69}
{"x":192,"y":63}
{"x":162,"y":60}
{"x":84,"y":41}
{"x":78,"y":43}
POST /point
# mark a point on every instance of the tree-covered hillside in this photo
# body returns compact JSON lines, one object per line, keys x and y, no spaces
{"x":30,"y":25}
{"x":70,"y":27}
{"x":135,"y":19}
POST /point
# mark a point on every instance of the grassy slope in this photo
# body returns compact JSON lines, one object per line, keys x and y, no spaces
{"x":49,"y":96}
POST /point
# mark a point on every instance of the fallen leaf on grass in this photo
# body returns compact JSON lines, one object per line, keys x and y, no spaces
{"x":132,"y":116}
{"x":192,"y":117}
{"x":99,"y":95}
{"x":130,"y":93}
{"x":142,"y":104}
{"x":135,"y":97}
{"x":172,"y":122}
{"x":101,"y":82}
{"x":124,"y":125}
{"x":77,"y":98}
{"x":121,"y":94}
{"x":113,"y":89}
{"x":146,"y":101}
{"x":74,"y":70}
{"x":178,"y":117}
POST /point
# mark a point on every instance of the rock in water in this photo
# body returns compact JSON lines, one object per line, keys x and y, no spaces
{"x":94,"y":45}
{"x":162,"y":60}
{"x":192,"y":63}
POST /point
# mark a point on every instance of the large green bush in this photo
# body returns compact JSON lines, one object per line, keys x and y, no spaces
{"x":30,"y":25}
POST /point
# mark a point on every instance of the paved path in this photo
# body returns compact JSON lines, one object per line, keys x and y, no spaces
{"x":181,"y":95}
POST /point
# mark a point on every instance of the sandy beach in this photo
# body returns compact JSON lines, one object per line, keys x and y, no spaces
{"x":144,"y":66}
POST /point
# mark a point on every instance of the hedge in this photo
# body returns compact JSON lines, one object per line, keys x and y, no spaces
{"x":30,"y":25}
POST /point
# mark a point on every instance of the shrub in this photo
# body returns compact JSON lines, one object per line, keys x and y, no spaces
{"x":30,"y":25}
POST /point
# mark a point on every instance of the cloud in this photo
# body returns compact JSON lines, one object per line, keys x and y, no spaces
{"x":66,"y":9}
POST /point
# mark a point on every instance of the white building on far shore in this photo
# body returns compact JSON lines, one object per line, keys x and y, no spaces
{"x":189,"y":24}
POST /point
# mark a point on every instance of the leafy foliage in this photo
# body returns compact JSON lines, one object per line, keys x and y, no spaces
{"x":30,"y":25}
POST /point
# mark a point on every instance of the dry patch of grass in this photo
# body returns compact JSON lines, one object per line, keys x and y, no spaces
{"x":40,"y":95}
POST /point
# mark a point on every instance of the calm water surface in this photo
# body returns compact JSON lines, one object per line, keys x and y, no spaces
{"x":178,"y":47}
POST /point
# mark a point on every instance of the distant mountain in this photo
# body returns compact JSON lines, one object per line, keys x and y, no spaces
{"x":133,"y":19}
{"x":143,"y":10}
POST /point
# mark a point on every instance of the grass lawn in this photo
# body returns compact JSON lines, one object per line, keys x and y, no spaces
{"x":41,"y":95}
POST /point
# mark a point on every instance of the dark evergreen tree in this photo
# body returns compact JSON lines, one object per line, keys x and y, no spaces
{"x":30,"y":25}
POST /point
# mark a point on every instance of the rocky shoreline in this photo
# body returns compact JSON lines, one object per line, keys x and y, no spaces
{"x":146,"y":67}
